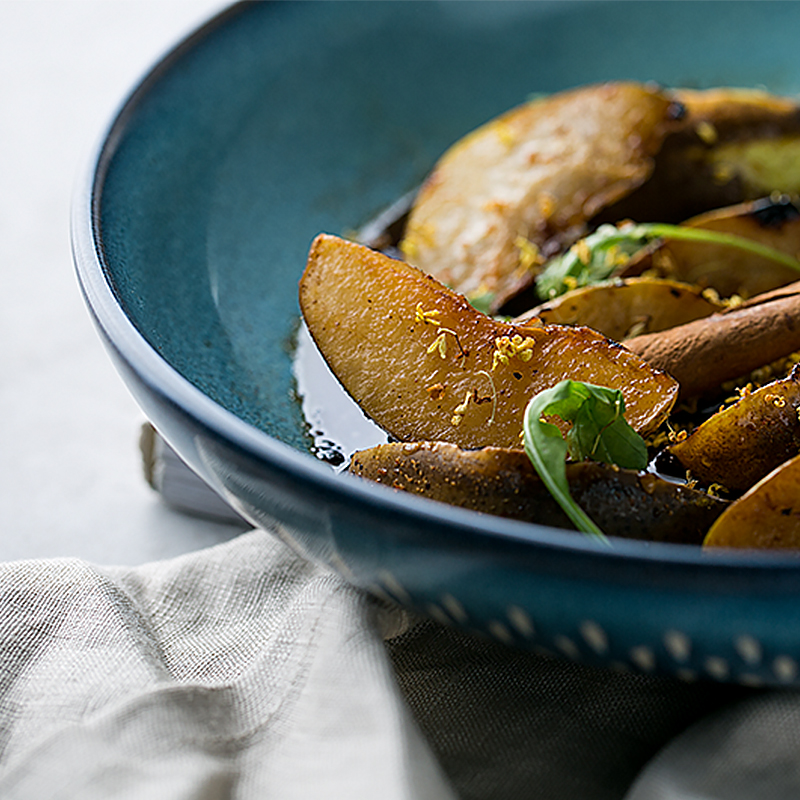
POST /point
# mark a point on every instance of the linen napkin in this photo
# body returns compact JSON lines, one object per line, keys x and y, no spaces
{"x":239,"y":672}
{"x":244,"y":672}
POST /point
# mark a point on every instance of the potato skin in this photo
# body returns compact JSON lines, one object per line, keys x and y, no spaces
{"x":738,"y":446}
{"x":766,"y":517}
{"x":539,"y":171}
{"x":621,"y":309}
{"x":423,"y":363}
{"x":498,"y":481}
{"x":732,"y":145}
{"x":774,"y":222}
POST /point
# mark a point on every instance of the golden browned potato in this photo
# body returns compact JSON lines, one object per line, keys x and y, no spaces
{"x":741,"y":444}
{"x":535,"y":174}
{"x":751,"y":138}
{"x":774,"y":222}
{"x":766,"y":517}
{"x":503,"y":482}
{"x":621,"y":309}
{"x":425,"y":365}
{"x":732,"y":145}
{"x":529,"y":183}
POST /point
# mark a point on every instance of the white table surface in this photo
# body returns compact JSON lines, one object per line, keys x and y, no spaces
{"x":71,"y":481}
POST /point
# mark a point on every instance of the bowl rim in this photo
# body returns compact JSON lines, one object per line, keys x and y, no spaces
{"x":130,"y":345}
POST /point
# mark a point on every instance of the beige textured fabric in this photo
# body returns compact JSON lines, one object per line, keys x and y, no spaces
{"x":240,"y":672}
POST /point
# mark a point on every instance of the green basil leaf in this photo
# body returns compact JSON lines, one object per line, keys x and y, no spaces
{"x":596,"y":257}
{"x":482,"y":302}
{"x":591,"y":260}
{"x":598,"y":431}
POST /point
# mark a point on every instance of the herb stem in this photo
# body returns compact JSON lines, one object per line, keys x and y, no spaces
{"x":582,"y":521}
{"x":661,"y":230}
{"x":598,"y":430}
{"x":588,"y":262}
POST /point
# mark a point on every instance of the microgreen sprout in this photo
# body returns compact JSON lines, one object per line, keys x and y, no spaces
{"x":598,"y":431}
{"x":482,"y":301}
{"x":596,"y":257}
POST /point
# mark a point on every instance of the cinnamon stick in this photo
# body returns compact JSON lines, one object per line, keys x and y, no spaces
{"x":702,"y":354}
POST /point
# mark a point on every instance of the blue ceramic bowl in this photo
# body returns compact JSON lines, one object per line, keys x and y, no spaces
{"x":277,"y":121}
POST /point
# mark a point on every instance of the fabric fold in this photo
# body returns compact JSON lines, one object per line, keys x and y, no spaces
{"x":746,"y":751}
{"x":238,"y":672}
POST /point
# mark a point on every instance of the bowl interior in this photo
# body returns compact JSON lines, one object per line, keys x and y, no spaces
{"x":296,"y":118}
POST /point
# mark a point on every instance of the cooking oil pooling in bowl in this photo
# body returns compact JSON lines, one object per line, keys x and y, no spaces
{"x":336,"y":424}
{"x":335,"y":421}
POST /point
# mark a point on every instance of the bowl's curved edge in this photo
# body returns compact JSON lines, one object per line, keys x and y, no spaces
{"x":212,"y":439}
{"x":93,"y":277}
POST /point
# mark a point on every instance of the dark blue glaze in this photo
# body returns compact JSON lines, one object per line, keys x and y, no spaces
{"x":278,"y":121}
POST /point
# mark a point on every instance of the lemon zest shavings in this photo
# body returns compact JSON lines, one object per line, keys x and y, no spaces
{"x":508,"y":347}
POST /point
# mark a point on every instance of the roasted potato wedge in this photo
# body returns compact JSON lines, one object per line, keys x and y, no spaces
{"x":738,"y":446}
{"x":774,"y":222}
{"x":766,"y":517}
{"x":732,"y":145}
{"x":538,"y":172}
{"x":425,"y":365}
{"x":622,"y":309}
{"x":751,"y":139}
{"x":550,"y":170}
{"x":503,"y":482}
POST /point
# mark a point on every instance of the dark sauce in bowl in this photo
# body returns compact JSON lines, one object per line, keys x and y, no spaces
{"x":336,"y":424}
